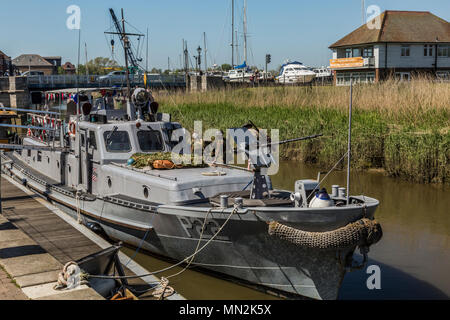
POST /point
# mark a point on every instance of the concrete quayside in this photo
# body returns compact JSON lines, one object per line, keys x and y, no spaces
{"x":37,"y":240}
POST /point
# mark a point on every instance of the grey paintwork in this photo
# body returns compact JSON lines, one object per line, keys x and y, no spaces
{"x":172,"y":213}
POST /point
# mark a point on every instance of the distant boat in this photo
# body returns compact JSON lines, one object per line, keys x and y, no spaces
{"x":295,"y":72}
{"x":241,"y":73}
{"x":323,"y":72}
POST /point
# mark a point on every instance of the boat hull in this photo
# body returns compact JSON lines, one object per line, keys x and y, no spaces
{"x":243,"y":249}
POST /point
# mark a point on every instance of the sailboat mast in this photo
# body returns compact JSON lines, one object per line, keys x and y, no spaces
{"x":125,"y":46}
{"x":85,"y":53}
{"x":232,"y":33}
{"x":245,"y":31}
{"x":146,"y":54}
{"x":349,"y":149}
{"x":205,"y":51}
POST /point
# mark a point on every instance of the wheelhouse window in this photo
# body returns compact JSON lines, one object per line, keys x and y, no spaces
{"x":92,"y":140}
{"x":150,"y":140}
{"x":406,"y":51}
{"x":117,"y":141}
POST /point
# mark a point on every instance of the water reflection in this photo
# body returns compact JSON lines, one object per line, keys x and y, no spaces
{"x":414,"y":254}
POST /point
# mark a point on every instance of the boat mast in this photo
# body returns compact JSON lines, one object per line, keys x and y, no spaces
{"x":245,"y":31}
{"x":349,"y":149}
{"x":205,"y":50}
{"x":85,"y":53}
{"x":125,"y":49}
{"x":232,"y":33}
{"x":146,"y":54}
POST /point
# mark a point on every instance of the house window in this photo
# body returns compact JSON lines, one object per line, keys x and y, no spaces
{"x":443,"y":51}
{"x":348,"y":53}
{"x":356,"y":52}
{"x":443,"y":75}
{"x":403,"y":76}
{"x":406,"y":50}
{"x":343,"y":79}
{"x":368,"y":52}
{"x":428,"y":50}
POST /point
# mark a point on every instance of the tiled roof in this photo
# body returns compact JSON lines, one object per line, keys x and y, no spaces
{"x":31,"y":60}
{"x":400,"y":26}
{"x":68,"y":65}
{"x":3,"y":54}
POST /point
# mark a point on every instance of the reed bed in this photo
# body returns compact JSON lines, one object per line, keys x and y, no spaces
{"x":400,"y":127}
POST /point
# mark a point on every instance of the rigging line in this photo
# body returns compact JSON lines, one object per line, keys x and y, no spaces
{"x":222,"y":33}
{"x":323,"y":179}
{"x":110,"y":48}
{"x":136,"y":29}
{"x":196,"y":248}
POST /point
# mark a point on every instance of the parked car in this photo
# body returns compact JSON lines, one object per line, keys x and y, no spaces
{"x":32,"y":73}
{"x":113,"y":77}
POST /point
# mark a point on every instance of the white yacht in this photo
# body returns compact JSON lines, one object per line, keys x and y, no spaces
{"x":323,"y":72}
{"x":295,"y":72}
{"x":241,"y":73}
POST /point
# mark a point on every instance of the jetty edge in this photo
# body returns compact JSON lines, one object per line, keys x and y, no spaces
{"x":32,"y":256}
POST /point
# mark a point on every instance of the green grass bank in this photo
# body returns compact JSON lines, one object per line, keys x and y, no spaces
{"x":411,"y":140}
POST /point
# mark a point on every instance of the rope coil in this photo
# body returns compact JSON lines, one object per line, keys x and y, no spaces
{"x":363,"y":233}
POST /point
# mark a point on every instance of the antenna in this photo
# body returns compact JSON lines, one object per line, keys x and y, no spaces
{"x":349,"y":139}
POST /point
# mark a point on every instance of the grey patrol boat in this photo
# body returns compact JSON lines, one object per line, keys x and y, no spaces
{"x":229,"y":220}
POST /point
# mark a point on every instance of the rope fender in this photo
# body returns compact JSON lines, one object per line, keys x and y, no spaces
{"x":363,"y":233}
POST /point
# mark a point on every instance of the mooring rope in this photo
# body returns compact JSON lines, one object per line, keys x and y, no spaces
{"x":77,"y":198}
{"x":196,"y":248}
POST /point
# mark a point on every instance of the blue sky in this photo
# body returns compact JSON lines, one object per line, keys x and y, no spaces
{"x":288,"y":29}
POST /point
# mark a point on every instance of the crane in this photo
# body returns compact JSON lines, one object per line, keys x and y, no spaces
{"x":134,"y":61}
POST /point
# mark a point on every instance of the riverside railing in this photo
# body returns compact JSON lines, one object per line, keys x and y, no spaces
{"x":55,"y":81}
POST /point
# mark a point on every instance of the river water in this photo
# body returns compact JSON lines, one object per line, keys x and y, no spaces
{"x":413,"y":255}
